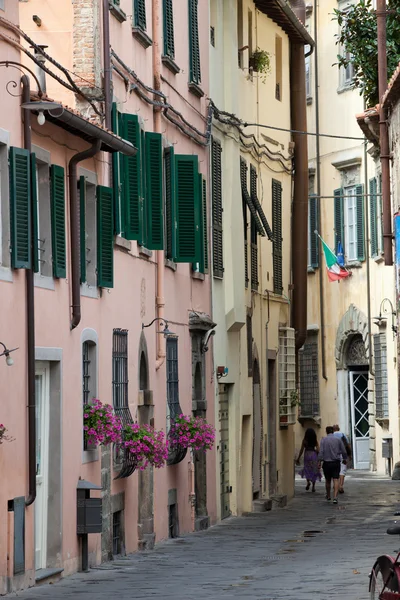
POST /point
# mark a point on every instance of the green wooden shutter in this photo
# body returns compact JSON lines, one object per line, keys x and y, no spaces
{"x":35,"y":215}
{"x":205,"y":227}
{"x":168,"y":21}
{"x":277,"y":231}
{"x":140,"y":14}
{"x":170,"y":207}
{"x":360,"y":223}
{"x":253,"y":234}
{"x":82,"y":231}
{"x":57,"y":191}
{"x":133,"y":188}
{"x":105,"y":237}
{"x":339,"y":218}
{"x":373,"y":210}
{"x":194,"y":46}
{"x":216,"y":200}
{"x":313,"y":224}
{"x":187,"y":209}
{"x":20,"y":209}
{"x":154,"y":191}
{"x":243,"y":185}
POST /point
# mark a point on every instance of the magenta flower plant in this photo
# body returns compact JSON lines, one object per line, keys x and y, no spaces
{"x":100,"y":425}
{"x":4,"y":437}
{"x":148,"y":446}
{"x":192,"y":432}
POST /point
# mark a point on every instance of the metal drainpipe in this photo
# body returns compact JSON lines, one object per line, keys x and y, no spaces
{"x":298,"y":111}
{"x":107,"y":63}
{"x":160,"y":299}
{"x":30,"y":319}
{"x":318,"y":157}
{"x":383,"y":133}
{"x":75,"y":229}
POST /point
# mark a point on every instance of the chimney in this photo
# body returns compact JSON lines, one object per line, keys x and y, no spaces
{"x":299,"y":9}
{"x":41,"y":75}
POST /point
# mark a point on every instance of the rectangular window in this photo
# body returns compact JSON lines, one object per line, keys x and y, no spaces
{"x":278,"y":67}
{"x":240,"y":32}
{"x":381,"y":377}
{"x":43,"y":216}
{"x":309,"y":379}
{"x":250,"y":35}
{"x":277,"y":232}
{"x":308,"y":76}
{"x":194,"y":44}
{"x":89,"y":374}
{"x":313,"y":242}
{"x":216,"y":199}
{"x":349,"y":222}
{"x":88,"y":231}
{"x":139,"y":14}
{"x":120,"y":368}
{"x":375,"y":216}
{"x":287,"y":376}
{"x":172,"y":377}
{"x":168,"y":23}
{"x":117,"y":533}
{"x":346,"y":74}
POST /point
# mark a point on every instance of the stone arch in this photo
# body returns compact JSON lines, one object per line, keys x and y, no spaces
{"x":353,"y":323}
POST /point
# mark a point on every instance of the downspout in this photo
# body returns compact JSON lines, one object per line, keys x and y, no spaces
{"x":107,"y":64}
{"x":366,"y":196}
{"x":160,"y":300}
{"x":384,"y":133}
{"x":298,"y":109}
{"x":74,"y":211}
{"x":318,"y":173}
{"x":30,"y":320}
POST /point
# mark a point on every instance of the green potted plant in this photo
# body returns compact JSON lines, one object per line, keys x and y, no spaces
{"x":260,"y":62}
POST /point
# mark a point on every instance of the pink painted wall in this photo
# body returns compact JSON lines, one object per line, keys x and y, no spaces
{"x":124,"y":306}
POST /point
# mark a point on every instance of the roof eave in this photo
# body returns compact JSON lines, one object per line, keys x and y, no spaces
{"x":281,"y":12}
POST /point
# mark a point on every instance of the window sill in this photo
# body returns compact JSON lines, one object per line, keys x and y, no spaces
{"x":117,"y":12}
{"x":169,"y":62}
{"x":46,"y":283}
{"x":195,"y":89}
{"x":141,"y":37}
{"x":382,"y":421}
{"x":6,"y":274}
{"x":89,"y":291}
{"x":311,"y":270}
{"x":347,"y":87}
{"x":145,"y":252}
{"x":379,"y":259}
{"x":307,"y":419}
{"x":89,"y":456}
{"x":354,"y":264}
{"x":309,"y":100}
{"x":122,"y":243}
{"x":170,"y":264}
{"x":198,"y":275}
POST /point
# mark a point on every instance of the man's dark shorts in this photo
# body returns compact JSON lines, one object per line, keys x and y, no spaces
{"x":331,"y":469}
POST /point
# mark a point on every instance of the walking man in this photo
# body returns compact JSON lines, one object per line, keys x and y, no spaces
{"x":331,"y":453}
{"x":343,"y":466}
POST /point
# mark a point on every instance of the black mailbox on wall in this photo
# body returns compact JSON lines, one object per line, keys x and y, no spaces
{"x":89,"y":510}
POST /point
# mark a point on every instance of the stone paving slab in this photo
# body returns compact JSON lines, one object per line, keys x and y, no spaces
{"x":266,"y":556}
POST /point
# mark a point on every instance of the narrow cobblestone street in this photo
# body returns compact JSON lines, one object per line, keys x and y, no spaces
{"x":266,"y":556}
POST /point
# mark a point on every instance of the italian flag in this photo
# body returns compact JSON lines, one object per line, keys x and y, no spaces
{"x":335,"y":271}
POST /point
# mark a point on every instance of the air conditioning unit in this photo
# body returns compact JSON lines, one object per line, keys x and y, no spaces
{"x":287,"y":376}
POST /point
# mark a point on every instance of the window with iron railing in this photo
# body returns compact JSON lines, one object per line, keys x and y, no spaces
{"x":120,"y":368}
{"x":89,"y":375}
{"x":309,"y":381}
{"x":381,"y":378}
{"x":172,"y":378}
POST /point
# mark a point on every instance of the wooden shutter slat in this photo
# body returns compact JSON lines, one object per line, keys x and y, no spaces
{"x":205,"y":226}
{"x":20,"y":209}
{"x":277,"y":232}
{"x":254,"y":256}
{"x":154,"y":191}
{"x":82,"y":232}
{"x":360,"y":222}
{"x":243,"y":184}
{"x":245,"y":193}
{"x":58,"y":235}
{"x":168,"y":21}
{"x":194,"y":46}
{"x":339,"y":218}
{"x":217,"y":210}
{"x":373,"y":216}
{"x":133,"y":180}
{"x":256,"y":202}
{"x":35,"y":215}
{"x":105,"y":237}
{"x":140,"y":14}
{"x":187,"y":202}
{"x":314,"y":241}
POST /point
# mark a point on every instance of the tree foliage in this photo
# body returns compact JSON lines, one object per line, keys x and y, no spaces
{"x":358,"y":38}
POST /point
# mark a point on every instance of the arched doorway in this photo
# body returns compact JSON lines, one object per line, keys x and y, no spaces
{"x":257,"y":432}
{"x":357,"y":364}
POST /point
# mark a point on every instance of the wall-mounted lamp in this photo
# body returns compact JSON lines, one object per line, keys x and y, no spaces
{"x":163,"y":323}
{"x":222,"y":372}
{"x":40,"y":107}
{"x":36,"y":19}
{"x":381,"y":319}
{"x":6,"y":352}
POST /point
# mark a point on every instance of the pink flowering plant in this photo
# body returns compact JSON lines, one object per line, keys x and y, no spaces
{"x":4,"y":437}
{"x":192,"y":432}
{"x":100,"y":425}
{"x":148,"y":446}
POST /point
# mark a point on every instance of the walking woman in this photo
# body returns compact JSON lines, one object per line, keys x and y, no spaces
{"x":310,"y":447}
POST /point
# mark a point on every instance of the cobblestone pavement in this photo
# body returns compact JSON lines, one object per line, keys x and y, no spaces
{"x":266,"y":556}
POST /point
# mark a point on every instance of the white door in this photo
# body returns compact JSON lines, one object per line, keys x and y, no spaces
{"x":360,"y":418}
{"x":42,"y":387}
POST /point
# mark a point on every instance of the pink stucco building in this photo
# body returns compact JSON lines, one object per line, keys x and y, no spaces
{"x":106,"y":243}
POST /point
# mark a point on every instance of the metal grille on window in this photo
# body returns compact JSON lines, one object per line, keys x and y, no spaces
{"x":287,"y":376}
{"x":309,"y":382}
{"x":85,"y":378}
{"x":217,"y":210}
{"x":120,"y":368}
{"x":254,"y":256}
{"x":174,"y":409}
{"x":381,"y":378}
{"x":117,"y":545}
{"x":277,"y":229}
